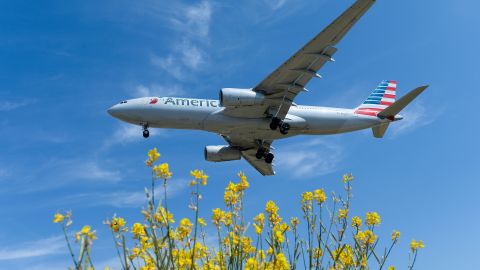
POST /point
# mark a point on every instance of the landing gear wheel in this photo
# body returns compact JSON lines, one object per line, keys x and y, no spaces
{"x":275,"y":123}
{"x":260,"y":153}
{"x":269,"y":158}
{"x":146,"y":133}
{"x":284,"y":128}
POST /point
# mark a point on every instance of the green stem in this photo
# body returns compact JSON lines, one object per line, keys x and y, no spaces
{"x":69,"y":246}
{"x":195,"y":230}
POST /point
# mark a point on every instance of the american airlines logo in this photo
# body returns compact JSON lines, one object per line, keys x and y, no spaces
{"x":191,"y":102}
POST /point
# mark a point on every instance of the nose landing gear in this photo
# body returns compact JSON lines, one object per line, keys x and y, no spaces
{"x":146,"y":133}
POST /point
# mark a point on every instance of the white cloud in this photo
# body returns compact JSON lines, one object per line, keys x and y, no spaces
{"x":4,"y":173}
{"x":275,"y":4}
{"x":127,"y":133}
{"x":11,"y":105}
{"x":185,"y":58}
{"x":123,"y":198}
{"x":157,"y":90}
{"x":193,"y":24}
{"x":193,"y":20}
{"x":311,"y":158}
{"x":92,"y":171}
{"x":38,"y":248}
{"x":415,"y":116}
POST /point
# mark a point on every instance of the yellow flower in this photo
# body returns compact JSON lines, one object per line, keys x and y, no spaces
{"x":251,"y":264}
{"x":364,"y":260}
{"x":271,"y":207}
{"x":197,"y":174}
{"x":307,"y":196}
{"x":134,"y":252}
{"x":356,"y":222}
{"x":138,"y":230}
{"x":319,"y":196}
{"x":414,"y":245}
{"x":391,"y":268}
{"x":230,"y":196}
{"x":258,"y":229}
{"x":372,"y":219}
{"x":86,"y":229}
{"x":260,"y":219}
{"x":153,"y":155}
{"x":202,"y":222}
{"x":347,"y":178}
{"x":294,"y":222}
{"x":162,"y":171}
{"x":58,"y":218}
{"x":279,"y":236}
{"x":217,"y":216}
{"x":281,"y":262}
{"x":261,"y":254}
{"x":366,"y":237}
{"x":243,"y":185}
{"x":184,"y":229}
{"x":342,"y":214}
{"x":317,"y":253}
{"x":163,"y":216}
{"x":193,"y":183}
{"x":227,"y":220}
{"x":204,"y":180}
{"x":117,"y":223}
{"x":395,"y":235}
{"x":345,"y":255}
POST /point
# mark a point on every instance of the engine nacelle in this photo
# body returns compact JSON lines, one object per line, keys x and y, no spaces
{"x":240,"y":97}
{"x":218,"y":153}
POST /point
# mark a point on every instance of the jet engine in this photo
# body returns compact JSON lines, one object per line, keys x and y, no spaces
{"x":219,"y":153}
{"x":239,"y":97}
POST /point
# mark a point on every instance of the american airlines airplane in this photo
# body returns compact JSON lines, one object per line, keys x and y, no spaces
{"x":251,"y":119}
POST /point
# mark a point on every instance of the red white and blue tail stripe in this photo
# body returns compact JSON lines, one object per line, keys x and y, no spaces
{"x":382,"y":97}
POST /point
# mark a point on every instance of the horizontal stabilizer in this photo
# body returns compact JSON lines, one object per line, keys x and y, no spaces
{"x":400,"y":104}
{"x":379,"y":131}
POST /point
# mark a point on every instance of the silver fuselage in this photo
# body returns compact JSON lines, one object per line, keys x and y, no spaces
{"x":208,"y":115}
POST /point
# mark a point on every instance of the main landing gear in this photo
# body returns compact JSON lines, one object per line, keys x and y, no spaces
{"x":263,"y":153}
{"x":281,"y":125}
{"x":146,"y":133}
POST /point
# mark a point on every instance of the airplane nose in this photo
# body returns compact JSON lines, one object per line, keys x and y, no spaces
{"x":113,"y":111}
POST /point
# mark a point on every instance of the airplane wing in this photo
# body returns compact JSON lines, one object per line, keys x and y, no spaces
{"x":259,"y":164}
{"x":248,"y":147}
{"x":290,"y":78}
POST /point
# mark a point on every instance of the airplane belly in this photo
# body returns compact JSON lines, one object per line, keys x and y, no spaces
{"x":335,"y":121}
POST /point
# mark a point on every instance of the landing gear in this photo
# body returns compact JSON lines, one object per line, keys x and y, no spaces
{"x":269,"y":158}
{"x":278,"y":123}
{"x":146,"y":133}
{"x":275,"y":123}
{"x":260,"y":153}
{"x":263,"y":153}
{"x":284,"y":128}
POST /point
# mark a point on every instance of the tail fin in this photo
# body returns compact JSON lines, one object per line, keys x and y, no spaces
{"x":382,"y":97}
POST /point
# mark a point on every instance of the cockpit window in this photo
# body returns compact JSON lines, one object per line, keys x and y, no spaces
{"x":121,"y":102}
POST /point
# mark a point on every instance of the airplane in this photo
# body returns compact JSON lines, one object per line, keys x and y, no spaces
{"x":250,"y":119}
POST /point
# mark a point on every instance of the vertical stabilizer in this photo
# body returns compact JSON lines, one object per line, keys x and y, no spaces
{"x":382,"y":97}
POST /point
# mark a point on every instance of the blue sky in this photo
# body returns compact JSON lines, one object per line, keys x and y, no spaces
{"x":63,"y":63}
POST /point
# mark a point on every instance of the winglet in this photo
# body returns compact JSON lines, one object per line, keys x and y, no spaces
{"x":400,"y":104}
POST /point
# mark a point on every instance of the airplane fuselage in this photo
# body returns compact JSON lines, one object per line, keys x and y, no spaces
{"x":208,"y":115}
